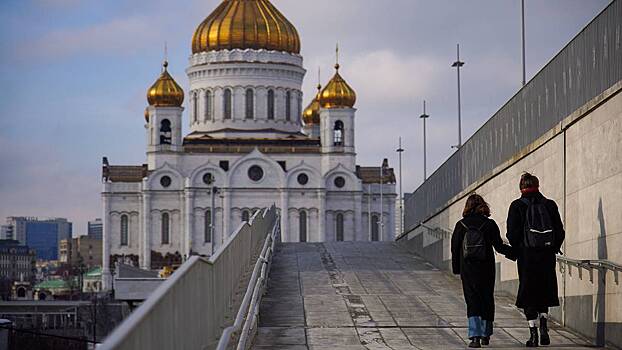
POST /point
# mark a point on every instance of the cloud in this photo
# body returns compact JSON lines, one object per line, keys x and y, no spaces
{"x":389,"y":77}
{"x":118,"y":36}
{"x":60,"y":3}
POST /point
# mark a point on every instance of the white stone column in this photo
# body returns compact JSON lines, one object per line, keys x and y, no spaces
{"x":227,"y":214}
{"x":321,"y":216}
{"x":189,"y":196}
{"x":358,"y":217}
{"x":106,"y":231}
{"x":285,"y":234}
{"x":146,"y":249}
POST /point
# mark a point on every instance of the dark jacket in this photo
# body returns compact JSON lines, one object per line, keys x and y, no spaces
{"x":478,"y":277}
{"x":536,"y":266}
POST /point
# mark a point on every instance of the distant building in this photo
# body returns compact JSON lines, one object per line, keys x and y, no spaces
{"x":17,"y":262}
{"x":42,"y":235}
{"x":82,"y":250}
{"x":95,"y":228}
{"x":6,"y":232}
{"x":64,"y":251}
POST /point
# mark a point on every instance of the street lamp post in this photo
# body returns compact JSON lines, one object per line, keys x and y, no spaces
{"x":523,"y":39}
{"x":425,"y":151}
{"x":399,"y":151}
{"x":383,"y":167}
{"x":457,"y":65}
{"x":212,"y":191}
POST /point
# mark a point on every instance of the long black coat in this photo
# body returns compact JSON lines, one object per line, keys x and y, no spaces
{"x":536,"y":266}
{"x":478,"y":277}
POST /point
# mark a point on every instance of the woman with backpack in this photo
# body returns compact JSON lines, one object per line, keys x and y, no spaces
{"x":536,"y":232}
{"x":473,"y":258}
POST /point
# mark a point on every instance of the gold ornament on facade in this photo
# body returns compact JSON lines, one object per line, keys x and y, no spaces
{"x":165,"y":92}
{"x":246,"y":24}
{"x":147,"y":114}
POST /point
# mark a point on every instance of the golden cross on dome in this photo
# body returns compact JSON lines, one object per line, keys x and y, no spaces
{"x":337,"y":56}
{"x":165,"y":62}
{"x":319,"y":77}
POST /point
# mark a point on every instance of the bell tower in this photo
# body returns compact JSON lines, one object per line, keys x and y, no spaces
{"x":164,"y":116}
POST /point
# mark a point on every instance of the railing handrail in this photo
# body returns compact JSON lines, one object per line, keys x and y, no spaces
{"x":250,"y":294}
{"x":602,"y":264}
{"x":120,"y":334}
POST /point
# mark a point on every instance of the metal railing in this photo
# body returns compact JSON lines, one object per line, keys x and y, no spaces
{"x":190,"y":309}
{"x":245,"y":320}
{"x":590,"y":265}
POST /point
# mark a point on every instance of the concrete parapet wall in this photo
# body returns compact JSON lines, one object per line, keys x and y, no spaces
{"x":579,"y":163}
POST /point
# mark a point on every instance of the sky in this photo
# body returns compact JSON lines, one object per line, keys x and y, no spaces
{"x":74,"y":74}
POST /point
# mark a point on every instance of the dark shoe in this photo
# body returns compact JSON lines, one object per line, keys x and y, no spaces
{"x":533,"y":340}
{"x":485,"y":340}
{"x":544,"y":332}
{"x":475,"y":343}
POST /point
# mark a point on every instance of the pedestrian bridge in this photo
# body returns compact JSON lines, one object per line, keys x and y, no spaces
{"x":363,"y":295}
{"x":261,"y":294}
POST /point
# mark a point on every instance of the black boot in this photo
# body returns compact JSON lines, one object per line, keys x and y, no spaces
{"x":544,"y":332}
{"x":475,"y":343}
{"x":485,"y":340}
{"x":533,"y":340}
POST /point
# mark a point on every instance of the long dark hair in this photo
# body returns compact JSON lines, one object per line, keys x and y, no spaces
{"x":476,"y":204}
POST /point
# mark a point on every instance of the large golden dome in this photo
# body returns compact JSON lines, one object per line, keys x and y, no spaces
{"x":337,"y":93}
{"x":165,"y":92}
{"x":311,"y":114}
{"x":246,"y":24}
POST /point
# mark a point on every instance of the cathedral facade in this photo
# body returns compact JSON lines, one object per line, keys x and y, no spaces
{"x":250,"y":145}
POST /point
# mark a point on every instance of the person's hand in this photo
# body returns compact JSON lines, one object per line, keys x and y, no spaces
{"x":511,"y":255}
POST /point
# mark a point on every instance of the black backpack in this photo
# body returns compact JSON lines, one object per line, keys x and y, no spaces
{"x":538,"y":231}
{"x":474,"y":243}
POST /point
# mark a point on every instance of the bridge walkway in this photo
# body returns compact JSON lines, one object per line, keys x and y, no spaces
{"x":361,"y":295}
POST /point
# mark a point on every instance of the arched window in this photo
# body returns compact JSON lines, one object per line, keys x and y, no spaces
{"x":166,"y":226}
{"x":124,"y":230}
{"x":271,"y":104}
{"x":288,"y":106}
{"x":245,"y":215}
{"x":339,"y":227}
{"x":338,"y":133}
{"x":250,"y":104}
{"x":227,"y":104}
{"x":208,"y":226}
{"x":375,"y":228}
{"x":195,"y":107}
{"x":208,"y":105}
{"x":165,"y":132}
{"x":302,"y":226}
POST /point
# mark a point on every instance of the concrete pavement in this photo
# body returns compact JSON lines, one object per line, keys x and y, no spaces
{"x":361,"y":295}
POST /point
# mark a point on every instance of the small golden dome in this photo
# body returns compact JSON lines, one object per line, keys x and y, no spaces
{"x":311,"y":114}
{"x":246,"y":24}
{"x":337,"y":93}
{"x":165,"y":92}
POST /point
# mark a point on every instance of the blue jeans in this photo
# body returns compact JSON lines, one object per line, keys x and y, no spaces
{"x":479,"y":327}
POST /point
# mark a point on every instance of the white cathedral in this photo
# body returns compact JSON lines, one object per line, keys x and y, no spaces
{"x":250,"y":146}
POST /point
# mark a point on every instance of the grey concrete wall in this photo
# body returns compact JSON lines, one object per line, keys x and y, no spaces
{"x":579,"y":163}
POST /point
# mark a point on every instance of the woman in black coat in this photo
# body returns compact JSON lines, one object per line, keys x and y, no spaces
{"x":537,"y":277}
{"x":477,"y":274}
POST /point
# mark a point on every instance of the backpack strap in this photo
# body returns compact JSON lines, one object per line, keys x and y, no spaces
{"x":468,"y":228}
{"x":463,"y":224}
